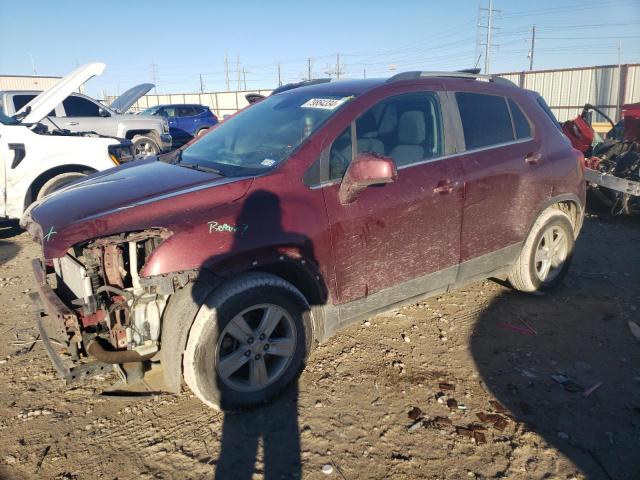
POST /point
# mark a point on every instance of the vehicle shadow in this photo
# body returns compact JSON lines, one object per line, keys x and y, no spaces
{"x":590,"y":409}
{"x":10,"y":228}
{"x":8,"y":250}
{"x":273,"y":425}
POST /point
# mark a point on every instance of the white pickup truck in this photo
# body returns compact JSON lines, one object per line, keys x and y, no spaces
{"x":81,"y":113}
{"x":36,"y":160}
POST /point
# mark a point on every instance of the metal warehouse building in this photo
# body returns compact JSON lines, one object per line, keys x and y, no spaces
{"x":26,"y":82}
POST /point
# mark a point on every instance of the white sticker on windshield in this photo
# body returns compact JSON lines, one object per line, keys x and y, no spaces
{"x":324,"y":103}
{"x":267,"y":162}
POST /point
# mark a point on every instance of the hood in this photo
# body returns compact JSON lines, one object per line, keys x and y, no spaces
{"x":52,"y":96}
{"x":131,"y":96}
{"x":134,"y":196}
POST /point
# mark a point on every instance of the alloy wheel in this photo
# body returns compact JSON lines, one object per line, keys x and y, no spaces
{"x":551,"y":253}
{"x":255,"y":348}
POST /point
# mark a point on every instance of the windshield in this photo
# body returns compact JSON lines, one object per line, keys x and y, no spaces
{"x":149,"y":111}
{"x":7,"y":120}
{"x":263,"y":135}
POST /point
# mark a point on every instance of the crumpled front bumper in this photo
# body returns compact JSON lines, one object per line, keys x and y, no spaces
{"x":55,"y":320}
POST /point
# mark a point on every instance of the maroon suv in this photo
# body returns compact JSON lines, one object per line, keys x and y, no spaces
{"x":315,"y":208}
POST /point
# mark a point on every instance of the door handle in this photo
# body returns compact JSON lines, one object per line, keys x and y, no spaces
{"x":443,"y":187}
{"x":532,"y":158}
{"x":71,"y":123}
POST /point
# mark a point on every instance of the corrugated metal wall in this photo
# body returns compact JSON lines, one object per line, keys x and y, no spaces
{"x":17,"y":82}
{"x":221,"y":103}
{"x":567,"y":90}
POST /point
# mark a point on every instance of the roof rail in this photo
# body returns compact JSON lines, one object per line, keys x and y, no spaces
{"x":468,"y":74}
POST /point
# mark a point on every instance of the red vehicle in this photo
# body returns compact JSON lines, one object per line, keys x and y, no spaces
{"x":315,"y":208}
{"x":613,"y":165}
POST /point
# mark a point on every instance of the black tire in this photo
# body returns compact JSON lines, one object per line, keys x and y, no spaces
{"x":57,"y":182}
{"x":201,"y":132}
{"x":144,"y":146}
{"x":206,"y":345}
{"x":526,"y":271}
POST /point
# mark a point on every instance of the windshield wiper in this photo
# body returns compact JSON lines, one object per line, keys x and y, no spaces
{"x":201,"y":168}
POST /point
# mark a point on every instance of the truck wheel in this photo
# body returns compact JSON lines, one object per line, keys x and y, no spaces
{"x":57,"y":182}
{"x":248,"y":341}
{"x":546,"y":253}
{"x":201,"y":132}
{"x":144,"y":146}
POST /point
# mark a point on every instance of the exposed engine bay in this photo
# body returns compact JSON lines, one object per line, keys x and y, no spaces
{"x":115,"y":312}
{"x":613,"y":163}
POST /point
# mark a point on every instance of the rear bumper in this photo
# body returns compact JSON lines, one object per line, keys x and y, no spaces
{"x":55,"y":323}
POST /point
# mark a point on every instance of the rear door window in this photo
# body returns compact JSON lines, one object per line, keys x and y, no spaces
{"x":485,"y":119}
{"x":21,"y":100}
{"x":80,"y":107}
{"x":521,"y":125}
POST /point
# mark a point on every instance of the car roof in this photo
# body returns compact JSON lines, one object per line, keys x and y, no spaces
{"x":360,"y":86}
{"x":179,"y":105}
{"x":339,"y":87}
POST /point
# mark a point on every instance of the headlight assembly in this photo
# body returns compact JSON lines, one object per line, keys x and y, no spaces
{"x":122,"y":152}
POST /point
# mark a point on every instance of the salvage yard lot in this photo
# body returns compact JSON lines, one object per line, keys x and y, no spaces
{"x":477,"y":363}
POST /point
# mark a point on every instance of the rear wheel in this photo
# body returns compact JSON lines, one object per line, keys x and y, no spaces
{"x":546,"y":254}
{"x":249,"y":340}
{"x":201,"y":132}
{"x":57,"y":182}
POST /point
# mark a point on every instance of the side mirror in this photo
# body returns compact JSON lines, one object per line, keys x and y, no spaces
{"x":103,"y":113}
{"x":365,"y":170}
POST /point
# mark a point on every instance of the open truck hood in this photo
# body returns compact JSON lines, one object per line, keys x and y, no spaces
{"x":131,"y":96}
{"x":52,"y":96}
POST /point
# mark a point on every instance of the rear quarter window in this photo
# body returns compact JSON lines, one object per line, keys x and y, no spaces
{"x":485,"y":119}
{"x":548,"y":111}
{"x":521,"y":125}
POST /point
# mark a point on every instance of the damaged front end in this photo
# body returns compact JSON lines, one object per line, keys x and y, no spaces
{"x":97,"y":305}
{"x":613,"y":164}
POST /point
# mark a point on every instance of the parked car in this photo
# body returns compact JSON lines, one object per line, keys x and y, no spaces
{"x":186,"y":121}
{"x":80,"y":113}
{"x":308,"y":211}
{"x":36,"y":160}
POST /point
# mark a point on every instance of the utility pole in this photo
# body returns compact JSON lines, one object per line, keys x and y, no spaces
{"x":619,"y":53}
{"x":338,"y":66}
{"x":244,"y":78}
{"x":201,"y":85}
{"x":488,"y":45}
{"x":279,"y":77}
{"x":154,"y":76}
{"x":309,"y":68}
{"x":533,"y":44}
{"x":33,"y":66}
{"x":226,"y":70}
{"x":238,"y":71}
{"x":620,"y":81}
{"x":364,"y":72}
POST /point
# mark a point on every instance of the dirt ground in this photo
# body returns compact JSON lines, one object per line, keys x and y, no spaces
{"x":473,"y":369}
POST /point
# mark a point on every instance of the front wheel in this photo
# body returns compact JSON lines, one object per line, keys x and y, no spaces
{"x":546,"y":254}
{"x":248,"y":341}
{"x":144,"y":146}
{"x":57,"y":182}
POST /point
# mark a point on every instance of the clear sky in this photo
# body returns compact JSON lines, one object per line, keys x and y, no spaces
{"x":182,"y":40}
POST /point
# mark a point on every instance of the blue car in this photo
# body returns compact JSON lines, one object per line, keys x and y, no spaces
{"x":186,"y":121}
